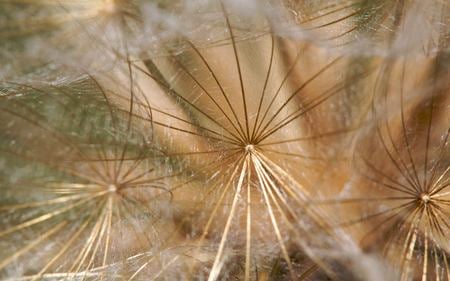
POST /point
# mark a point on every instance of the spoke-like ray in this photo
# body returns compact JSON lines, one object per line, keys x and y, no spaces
{"x":215,"y":270}
{"x":47,"y":216}
{"x":263,"y":184}
{"x":44,"y":236}
{"x":263,"y":92}
{"x":234,"y":136}
{"x":239,"y":69}
{"x":233,"y":111}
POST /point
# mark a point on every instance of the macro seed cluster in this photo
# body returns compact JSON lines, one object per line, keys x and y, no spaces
{"x":225,"y":140}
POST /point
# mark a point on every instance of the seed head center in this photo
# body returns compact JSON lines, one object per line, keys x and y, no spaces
{"x":249,"y":148}
{"x":112,"y":188}
{"x":425,"y":198}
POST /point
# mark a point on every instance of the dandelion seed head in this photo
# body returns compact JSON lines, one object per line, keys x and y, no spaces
{"x":238,"y":120}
